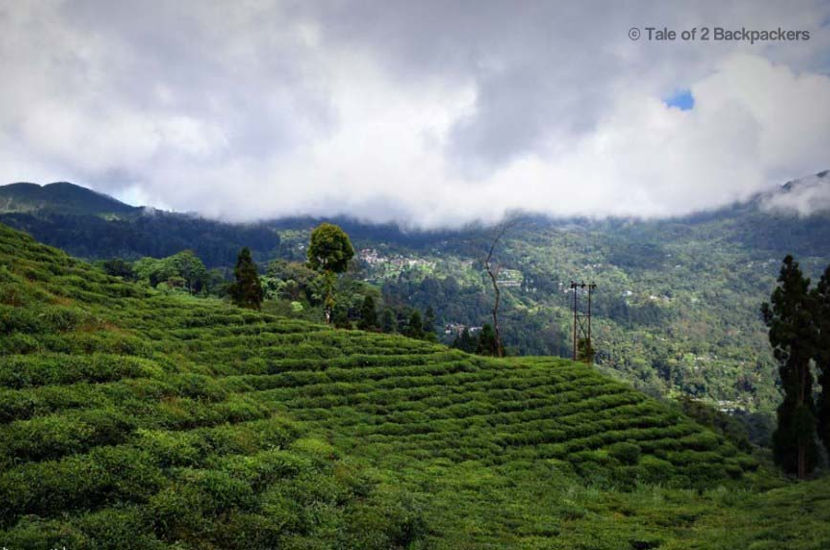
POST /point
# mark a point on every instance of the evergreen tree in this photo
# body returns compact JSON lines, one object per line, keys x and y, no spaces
{"x":247,"y":290}
{"x":487,"y":341}
{"x":340,"y":317}
{"x":388,"y":321}
{"x":792,"y":335}
{"x":414,"y":326}
{"x":429,"y":325}
{"x":465,"y":342}
{"x":368,"y":315}
{"x":822,"y":354}
{"x":429,"y":319}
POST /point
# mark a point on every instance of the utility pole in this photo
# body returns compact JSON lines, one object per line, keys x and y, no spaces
{"x":582,"y":320}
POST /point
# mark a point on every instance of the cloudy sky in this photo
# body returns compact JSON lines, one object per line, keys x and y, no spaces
{"x":429,"y":113}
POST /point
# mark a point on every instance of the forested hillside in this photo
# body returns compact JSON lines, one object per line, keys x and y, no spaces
{"x":137,"y":419}
{"x":676,"y":310}
{"x":94,"y":226}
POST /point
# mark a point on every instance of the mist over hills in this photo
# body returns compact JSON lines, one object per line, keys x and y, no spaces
{"x":92,"y":225}
{"x":676,"y":309}
{"x":799,"y":203}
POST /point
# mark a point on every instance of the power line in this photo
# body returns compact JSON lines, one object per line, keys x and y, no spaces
{"x":582,"y":320}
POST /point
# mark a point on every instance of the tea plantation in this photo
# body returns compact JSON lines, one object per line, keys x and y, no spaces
{"x":134,"y":419}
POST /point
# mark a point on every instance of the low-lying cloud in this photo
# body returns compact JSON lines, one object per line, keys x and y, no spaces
{"x":425,"y":113}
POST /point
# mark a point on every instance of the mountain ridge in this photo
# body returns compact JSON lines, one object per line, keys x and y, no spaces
{"x":70,"y":196}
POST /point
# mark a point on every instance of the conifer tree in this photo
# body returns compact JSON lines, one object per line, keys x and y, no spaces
{"x":822,"y":354}
{"x":465,"y":342}
{"x":415,"y":327}
{"x":368,"y":315}
{"x":792,"y":335}
{"x":429,"y":325}
{"x":247,"y":290}
{"x":487,"y":344}
{"x":388,"y":322}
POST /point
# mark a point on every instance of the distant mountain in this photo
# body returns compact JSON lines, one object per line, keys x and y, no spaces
{"x":61,"y":197}
{"x":92,"y":225}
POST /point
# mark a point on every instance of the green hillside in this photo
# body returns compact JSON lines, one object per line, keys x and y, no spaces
{"x":675,"y":310}
{"x":92,"y":225}
{"x":134,"y":419}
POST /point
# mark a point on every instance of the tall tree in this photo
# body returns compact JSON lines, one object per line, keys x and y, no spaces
{"x":415,"y":327}
{"x":329,"y":252}
{"x":429,"y":325}
{"x":388,"y":322}
{"x":487,"y":343}
{"x":792,"y":335}
{"x":368,"y":315}
{"x":247,"y":290}
{"x":465,"y":342}
{"x":492,"y":272}
{"x":821,"y":296}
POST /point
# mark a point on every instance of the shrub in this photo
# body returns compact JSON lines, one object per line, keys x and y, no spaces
{"x":625,"y":453}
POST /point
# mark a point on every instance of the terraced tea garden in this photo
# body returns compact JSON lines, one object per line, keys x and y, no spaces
{"x":131,"y":418}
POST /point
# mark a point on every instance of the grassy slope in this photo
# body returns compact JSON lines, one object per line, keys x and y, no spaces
{"x":141,"y":419}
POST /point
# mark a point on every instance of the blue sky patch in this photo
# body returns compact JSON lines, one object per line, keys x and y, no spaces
{"x":682,"y":99}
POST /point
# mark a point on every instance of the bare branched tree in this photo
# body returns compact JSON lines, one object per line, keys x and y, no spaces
{"x":493,"y":272}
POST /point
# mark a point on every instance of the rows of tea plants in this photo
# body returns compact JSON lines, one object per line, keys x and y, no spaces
{"x":143,"y":420}
{"x":116,"y":433}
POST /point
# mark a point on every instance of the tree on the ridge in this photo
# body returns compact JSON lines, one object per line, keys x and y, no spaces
{"x":492,"y":272}
{"x":465,"y":342}
{"x":487,"y":344}
{"x":368,"y":315}
{"x":388,"y":322}
{"x":415,"y":327}
{"x":821,"y":296}
{"x":792,"y":335}
{"x":247,"y":290}
{"x":429,"y":325}
{"x":118,"y":267}
{"x":191,"y":269}
{"x":329,"y":252}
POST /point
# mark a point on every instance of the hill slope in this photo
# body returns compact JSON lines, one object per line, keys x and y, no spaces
{"x":137,"y":419}
{"x":676,"y":308}
{"x":92,"y":225}
{"x":61,"y":197}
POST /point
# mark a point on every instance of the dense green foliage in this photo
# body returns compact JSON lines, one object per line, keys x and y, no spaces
{"x":94,"y":226}
{"x":329,"y":252}
{"x":183,"y":269}
{"x":246,"y":291}
{"x":368,"y":315}
{"x":676,"y":309}
{"x":821,"y":297}
{"x":792,"y":334}
{"x":330,"y":249}
{"x":139,"y":419}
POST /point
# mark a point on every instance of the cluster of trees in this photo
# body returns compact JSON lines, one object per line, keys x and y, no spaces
{"x":323,"y":282}
{"x":798,"y":318}
{"x":483,"y":344}
{"x":183,"y":270}
{"x":144,"y":233}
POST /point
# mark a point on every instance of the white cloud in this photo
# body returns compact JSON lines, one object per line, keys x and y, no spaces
{"x":428,"y":115}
